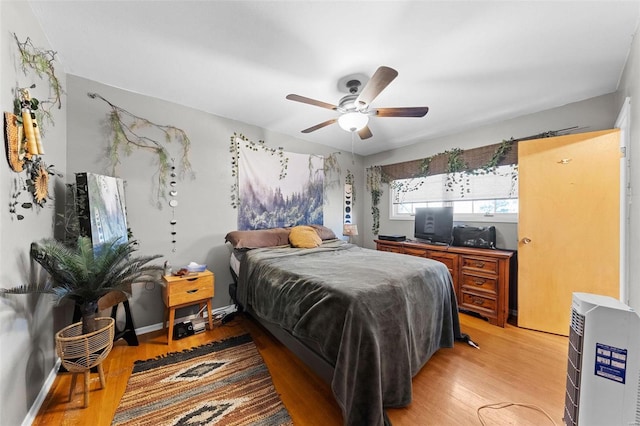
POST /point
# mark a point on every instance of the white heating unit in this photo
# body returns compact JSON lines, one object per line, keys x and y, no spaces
{"x":603,"y":370}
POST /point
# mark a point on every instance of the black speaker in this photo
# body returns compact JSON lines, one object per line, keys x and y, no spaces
{"x":182,"y":329}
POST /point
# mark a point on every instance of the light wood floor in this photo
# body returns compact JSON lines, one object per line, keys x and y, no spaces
{"x":512,"y":365}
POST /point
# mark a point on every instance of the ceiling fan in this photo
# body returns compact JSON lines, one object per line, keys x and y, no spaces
{"x":354,"y":108}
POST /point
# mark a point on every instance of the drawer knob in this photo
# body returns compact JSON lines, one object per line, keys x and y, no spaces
{"x":479,"y":264}
{"x":195,"y":290}
{"x":478,"y":301}
{"x":478,"y":281}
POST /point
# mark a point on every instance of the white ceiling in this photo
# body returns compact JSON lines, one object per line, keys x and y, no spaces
{"x":471,"y":62}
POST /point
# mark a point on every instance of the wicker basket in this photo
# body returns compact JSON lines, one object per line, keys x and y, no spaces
{"x":81,"y":352}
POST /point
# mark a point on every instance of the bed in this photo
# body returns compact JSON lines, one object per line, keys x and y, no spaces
{"x":366,"y":321}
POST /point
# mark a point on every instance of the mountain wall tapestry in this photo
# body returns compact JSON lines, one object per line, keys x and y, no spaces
{"x":270,"y":200}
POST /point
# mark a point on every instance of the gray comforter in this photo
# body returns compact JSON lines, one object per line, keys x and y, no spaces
{"x":376,"y":316}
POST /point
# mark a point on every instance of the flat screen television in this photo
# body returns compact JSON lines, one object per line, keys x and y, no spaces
{"x":434,"y":225}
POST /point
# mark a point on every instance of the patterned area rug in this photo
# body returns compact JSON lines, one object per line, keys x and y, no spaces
{"x":223,"y":382}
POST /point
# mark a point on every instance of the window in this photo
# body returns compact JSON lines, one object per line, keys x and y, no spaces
{"x":476,"y":196}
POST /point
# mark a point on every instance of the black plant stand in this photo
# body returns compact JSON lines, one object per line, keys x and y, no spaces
{"x":128,"y":333}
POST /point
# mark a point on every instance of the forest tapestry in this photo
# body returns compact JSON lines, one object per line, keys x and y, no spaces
{"x":266,"y":201}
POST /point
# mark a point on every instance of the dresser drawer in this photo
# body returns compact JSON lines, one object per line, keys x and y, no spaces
{"x":479,"y":283}
{"x":477,"y":303}
{"x":392,"y":249}
{"x":415,"y":252}
{"x":449,"y":259}
{"x":483,"y":264}
{"x":188,"y":289}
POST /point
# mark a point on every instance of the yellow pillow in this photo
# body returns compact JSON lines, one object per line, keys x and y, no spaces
{"x":304,"y":237}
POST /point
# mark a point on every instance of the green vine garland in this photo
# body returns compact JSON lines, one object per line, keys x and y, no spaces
{"x":125,"y":128}
{"x":234,"y":149}
{"x":455,"y":171}
{"x":374,"y":186}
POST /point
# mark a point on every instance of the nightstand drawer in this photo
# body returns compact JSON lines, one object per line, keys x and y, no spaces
{"x":188,"y":289}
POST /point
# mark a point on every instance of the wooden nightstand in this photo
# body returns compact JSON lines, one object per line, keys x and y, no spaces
{"x":178,"y":292}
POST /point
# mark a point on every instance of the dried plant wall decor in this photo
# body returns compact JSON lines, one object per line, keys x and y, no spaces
{"x":23,"y":133}
{"x":41,"y":61}
{"x":128,"y":134}
{"x":332,"y":172}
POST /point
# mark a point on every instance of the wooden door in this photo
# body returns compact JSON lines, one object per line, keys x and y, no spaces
{"x":568,"y":226}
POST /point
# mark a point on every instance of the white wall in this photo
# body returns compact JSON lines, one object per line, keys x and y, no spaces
{"x":204,"y":212}
{"x":630,"y":87}
{"x":27,"y":323}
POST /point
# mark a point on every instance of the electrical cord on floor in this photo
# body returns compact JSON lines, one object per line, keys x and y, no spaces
{"x":466,"y":338}
{"x":501,"y":405}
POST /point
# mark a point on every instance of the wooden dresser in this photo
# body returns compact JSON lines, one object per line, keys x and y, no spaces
{"x":480,"y":276}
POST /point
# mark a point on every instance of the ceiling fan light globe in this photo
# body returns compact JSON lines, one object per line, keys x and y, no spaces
{"x":353,"y":121}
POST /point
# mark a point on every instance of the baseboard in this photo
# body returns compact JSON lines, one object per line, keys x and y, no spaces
{"x":35,"y":407}
{"x":159,"y":326}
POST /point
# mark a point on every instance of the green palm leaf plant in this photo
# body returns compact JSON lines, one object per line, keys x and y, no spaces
{"x":84,"y":273}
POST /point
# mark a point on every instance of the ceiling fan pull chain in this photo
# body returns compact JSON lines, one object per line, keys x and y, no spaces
{"x":353,"y":137}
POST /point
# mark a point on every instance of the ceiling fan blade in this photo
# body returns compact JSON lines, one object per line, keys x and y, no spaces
{"x":381,"y":79}
{"x":310,"y":101}
{"x":365,"y":133}
{"x":320,"y":126}
{"x":402,"y":112}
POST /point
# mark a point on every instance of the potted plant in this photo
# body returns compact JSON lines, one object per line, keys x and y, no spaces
{"x":84,"y":274}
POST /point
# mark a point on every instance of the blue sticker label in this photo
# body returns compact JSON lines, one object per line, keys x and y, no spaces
{"x":611,"y":362}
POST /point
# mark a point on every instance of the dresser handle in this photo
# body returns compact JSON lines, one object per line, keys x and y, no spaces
{"x":478,"y":281}
{"x":479,"y":264}
{"x":192,"y":279}
{"x":478,"y":301}
{"x":192,"y":291}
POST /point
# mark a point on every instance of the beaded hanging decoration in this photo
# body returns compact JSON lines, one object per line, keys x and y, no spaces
{"x":173,"y":203}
